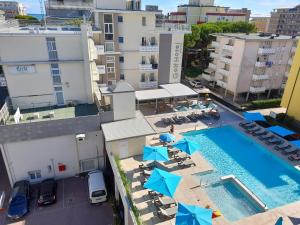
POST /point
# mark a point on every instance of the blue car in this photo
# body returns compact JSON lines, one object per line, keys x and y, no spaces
{"x":19,"y":201}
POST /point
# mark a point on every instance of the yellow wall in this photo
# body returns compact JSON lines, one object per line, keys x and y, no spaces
{"x":294,"y":107}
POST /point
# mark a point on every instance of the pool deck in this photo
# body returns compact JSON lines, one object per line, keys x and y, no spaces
{"x":190,"y":191}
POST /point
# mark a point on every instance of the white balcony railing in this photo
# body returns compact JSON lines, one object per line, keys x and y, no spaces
{"x":257,"y":89}
{"x":148,"y":84}
{"x":148,"y":66}
{"x":149,"y":48}
{"x":260,"y":64}
{"x":266,"y":51}
{"x":223,"y":72}
{"x":214,"y":55}
{"x":222,"y":84}
{"x":101,"y":69}
{"x":207,"y":77}
{"x":100,"y":49}
{"x":225,"y":60}
{"x":212,"y":66}
{"x":215,"y":44}
{"x":228,"y":47}
{"x":260,"y":77}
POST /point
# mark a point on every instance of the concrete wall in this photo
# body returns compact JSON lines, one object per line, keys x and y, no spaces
{"x":124,"y":105}
{"x":110,"y":4}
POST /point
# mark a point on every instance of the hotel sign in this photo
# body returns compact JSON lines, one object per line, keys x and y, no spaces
{"x":21,"y":69}
{"x":176,"y":61}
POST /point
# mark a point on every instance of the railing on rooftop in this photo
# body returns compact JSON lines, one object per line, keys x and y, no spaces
{"x":69,"y":4}
{"x":173,"y":27}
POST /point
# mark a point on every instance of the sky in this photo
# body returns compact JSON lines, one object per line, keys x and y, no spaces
{"x":258,"y":7}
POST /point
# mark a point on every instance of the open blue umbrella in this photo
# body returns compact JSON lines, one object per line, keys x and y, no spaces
{"x":279,"y":221}
{"x":193,"y":215}
{"x":281,"y":131}
{"x":167,"y":137}
{"x":187,"y":146}
{"x":254,"y":116}
{"x":163,"y":182}
{"x":296,"y":143}
{"x":156,"y":153}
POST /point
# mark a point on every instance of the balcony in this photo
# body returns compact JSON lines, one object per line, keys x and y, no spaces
{"x":96,"y":30}
{"x":207,"y":77}
{"x":149,"y":48}
{"x":228,"y":47}
{"x":100,"y":49}
{"x":215,"y":44}
{"x":266,"y":51}
{"x":260,"y":77}
{"x":148,"y":84}
{"x":221,"y":83}
{"x":225,"y":60}
{"x":3,"y":82}
{"x":260,"y":64}
{"x":257,"y":89}
{"x":214,"y":55}
{"x":148,"y":67}
{"x":223,"y":72}
{"x":71,"y":4}
{"x":212,"y":66}
{"x":101,"y":69}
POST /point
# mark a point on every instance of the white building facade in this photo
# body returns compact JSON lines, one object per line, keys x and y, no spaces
{"x":12,"y":9}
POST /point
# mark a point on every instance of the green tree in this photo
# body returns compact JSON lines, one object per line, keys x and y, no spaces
{"x":26,"y":17}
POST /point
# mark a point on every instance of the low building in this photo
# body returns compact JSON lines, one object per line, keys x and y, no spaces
{"x":248,"y":65}
{"x":12,"y":9}
{"x":291,"y":96}
{"x":285,"y":21}
{"x":261,"y":23}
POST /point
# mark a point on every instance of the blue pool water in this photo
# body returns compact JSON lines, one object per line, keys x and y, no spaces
{"x":232,"y":152}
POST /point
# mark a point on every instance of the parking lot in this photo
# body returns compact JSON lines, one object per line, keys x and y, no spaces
{"x":72,"y":208}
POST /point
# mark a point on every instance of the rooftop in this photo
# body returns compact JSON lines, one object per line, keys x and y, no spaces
{"x":253,"y":36}
{"x":40,"y":30}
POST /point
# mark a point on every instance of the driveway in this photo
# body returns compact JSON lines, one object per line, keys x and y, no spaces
{"x":72,"y":208}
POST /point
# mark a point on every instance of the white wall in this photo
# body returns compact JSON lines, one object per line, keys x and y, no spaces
{"x":124,"y":105}
{"x":110,"y":4}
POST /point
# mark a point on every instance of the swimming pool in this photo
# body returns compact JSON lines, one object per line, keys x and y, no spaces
{"x":230,"y":151}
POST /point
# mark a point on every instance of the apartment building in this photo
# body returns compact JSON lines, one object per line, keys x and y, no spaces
{"x":197,"y":12}
{"x":261,"y":23}
{"x":12,"y":9}
{"x":134,"y":48}
{"x":57,"y":72}
{"x":285,"y":21}
{"x":246,"y":65}
{"x":291,"y":96}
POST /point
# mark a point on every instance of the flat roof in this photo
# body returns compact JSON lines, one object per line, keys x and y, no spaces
{"x":120,"y":87}
{"x":38,"y":30}
{"x":152,"y":94}
{"x":178,"y":90}
{"x":252,"y":36}
{"x":123,"y":129}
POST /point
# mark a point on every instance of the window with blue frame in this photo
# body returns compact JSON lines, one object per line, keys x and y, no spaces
{"x":121,"y":59}
{"x":121,"y":39}
{"x":122,"y":77}
{"x":120,"y":19}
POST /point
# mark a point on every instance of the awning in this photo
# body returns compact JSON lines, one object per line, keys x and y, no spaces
{"x":281,"y":131}
{"x":179,"y":90}
{"x":152,"y":94}
{"x":254,"y":116}
{"x":296,"y":143}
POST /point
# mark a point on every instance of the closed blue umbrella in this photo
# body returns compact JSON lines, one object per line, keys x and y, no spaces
{"x":156,"y":153}
{"x":187,"y":146}
{"x":193,"y":215}
{"x":167,"y":137}
{"x":279,"y":221}
{"x":254,"y":116}
{"x":296,"y":143}
{"x":281,"y":131}
{"x":163,"y":182}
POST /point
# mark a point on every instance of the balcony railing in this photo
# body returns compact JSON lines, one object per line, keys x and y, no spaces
{"x":3,"y":82}
{"x":149,"y":66}
{"x":222,"y":83}
{"x":100,"y":49}
{"x":71,"y":4}
{"x":101,"y":69}
{"x":212,"y":66}
{"x":228,"y":47}
{"x":186,"y":28}
{"x":148,"y":84}
{"x":149,"y":48}
{"x":214,"y":55}
{"x":215,"y":44}
{"x":266,"y":51}
{"x":260,"y":77}
{"x":260,"y":64}
{"x":207,"y":77}
{"x":257,"y":89}
{"x":223,"y":72}
{"x":225,"y":60}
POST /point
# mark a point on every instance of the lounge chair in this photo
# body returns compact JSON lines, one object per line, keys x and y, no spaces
{"x":254,"y":129}
{"x":289,"y":151}
{"x":168,"y":213}
{"x":181,"y":156}
{"x":154,"y":194}
{"x":282,"y":146}
{"x":186,"y":163}
{"x":177,"y":120}
{"x":192,"y":118}
{"x":145,"y":166}
{"x":250,"y":125}
{"x":294,"y":157}
{"x":166,"y":121}
{"x":147,"y":173}
{"x":274,"y":141}
{"x":245,"y":123}
{"x":164,"y":201}
{"x":259,"y":133}
{"x":266,"y":136}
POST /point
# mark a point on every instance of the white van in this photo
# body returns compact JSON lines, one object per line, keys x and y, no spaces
{"x":97,"y":189}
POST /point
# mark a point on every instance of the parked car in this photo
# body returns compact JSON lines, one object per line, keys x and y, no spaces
{"x":47,"y":192}
{"x":19,"y":200}
{"x":97,"y":188}
{"x":196,"y":83}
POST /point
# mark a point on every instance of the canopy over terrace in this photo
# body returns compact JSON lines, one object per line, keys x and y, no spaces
{"x":166,"y":91}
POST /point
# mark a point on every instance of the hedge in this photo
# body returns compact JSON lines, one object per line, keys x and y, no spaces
{"x":268,"y":103}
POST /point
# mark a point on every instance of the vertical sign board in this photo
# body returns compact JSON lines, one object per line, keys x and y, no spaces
{"x":22,"y":69}
{"x":176,"y":58}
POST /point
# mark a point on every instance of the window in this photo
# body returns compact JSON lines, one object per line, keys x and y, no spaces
{"x":143,"y":77}
{"x":143,"y":59}
{"x":107,"y":18}
{"x":152,"y":77}
{"x":33,"y":175}
{"x":121,"y":59}
{"x":110,"y":59}
{"x":122,"y":77}
{"x":108,"y":27}
{"x":144,"y":21}
{"x":121,"y":39}
{"x":57,"y":88}
{"x":120,"y":19}
{"x":52,"y":51}
{"x":55,"y":72}
{"x":109,"y":46}
{"x":110,"y":67}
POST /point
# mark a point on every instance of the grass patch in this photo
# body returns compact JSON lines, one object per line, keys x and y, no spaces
{"x":127,"y":185}
{"x":263,"y":104}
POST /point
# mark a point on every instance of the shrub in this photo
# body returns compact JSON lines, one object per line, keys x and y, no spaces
{"x":268,"y":103}
{"x":193,"y":72}
{"x":26,"y":17}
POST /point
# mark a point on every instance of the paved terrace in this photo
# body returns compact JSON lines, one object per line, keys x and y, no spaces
{"x":190,"y":191}
{"x":64,"y":112}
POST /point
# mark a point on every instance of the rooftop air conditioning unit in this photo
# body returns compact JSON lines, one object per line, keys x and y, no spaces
{"x":80,"y":137}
